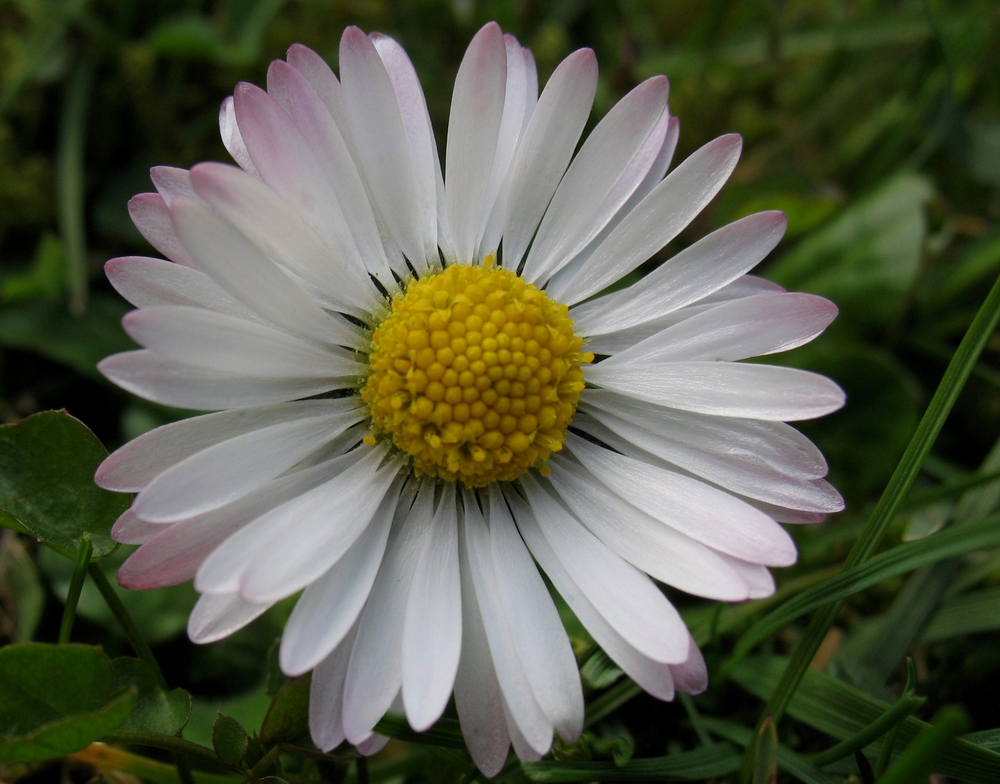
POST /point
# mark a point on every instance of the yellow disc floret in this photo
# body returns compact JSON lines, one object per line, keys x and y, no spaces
{"x":476,"y":374}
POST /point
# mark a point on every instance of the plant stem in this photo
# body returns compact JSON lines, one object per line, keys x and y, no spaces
{"x":112,"y":758}
{"x":361,"y":765}
{"x":159,"y":740}
{"x":264,"y":763}
{"x":695,"y":717}
{"x":126,"y":623}
{"x":83,"y":553}
{"x":888,"y":505}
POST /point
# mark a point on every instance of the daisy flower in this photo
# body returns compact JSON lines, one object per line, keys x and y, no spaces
{"x":424,"y":391}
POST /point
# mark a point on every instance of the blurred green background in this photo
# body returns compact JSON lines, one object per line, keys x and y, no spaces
{"x":874,"y":125}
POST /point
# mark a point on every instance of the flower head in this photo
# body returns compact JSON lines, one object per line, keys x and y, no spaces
{"x":422,"y":394}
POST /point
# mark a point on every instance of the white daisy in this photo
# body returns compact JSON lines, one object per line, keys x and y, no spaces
{"x":410,"y":413}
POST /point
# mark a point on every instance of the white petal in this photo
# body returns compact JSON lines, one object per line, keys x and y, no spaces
{"x":477,"y":692}
{"x":432,"y":630}
{"x":657,"y":549}
{"x":619,"y":340}
{"x":776,"y":443}
{"x":757,"y":577}
{"x":515,"y":106}
{"x":380,"y":138}
{"x":589,"y":194}
{"x":215,"y":617}
{"x":650,"y":164}
{"x":656,"y":220}
{"x":239,"y":267}
{"x":371,"y":745}
{"x":326,"y":696}
{"x":236,"y":563}
{"x":275,"y":227}
{"x":691,"y":677}
{"x":176,"y":554}
{"x":129,"y":529}
{"x":133,"y":466}
{"x":300,"y":170}
{"x":149,"y":282}
{"x":546,"y":148}
{"x":227,"y":344}
{"x":418,"y":130}
{"x":473,"y":128}
{"x":524,"y":751}
{"x":745,"y":474}
{"x":172,"y":183}
{"x":297,"y":542}
{"x":232,"y":140}
{"x":172,"y":383}
{"x":527,"y":724}
{"x":151,"y":217}
{"x":375,"y":673}
{"x":328,"y":148}
{"x":742,"y":328}
{"x":537,"y":631}
{"x":704,"y":513}
{"x":654,"y":677}
{"x":725,"y":389}
{"x":330,"y":606}
{"x":232,"y":468}
{"x":626,"y":598}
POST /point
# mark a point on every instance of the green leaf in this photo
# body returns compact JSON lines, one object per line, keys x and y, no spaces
{"x":599,"y":672}
{"x":765,"y":754}
{"x":865,"y":259}
{"x":56,"y":699}
{"x":925,"y":754}
{"x":840,"y":710}
{"x":718,"y":759}
{"x":44,"y":280}
{"x":156,"y":710}
{"x":968,"y":614}
{"x":288,"y":717}
{"x":47,"y":465}
{"x":229,"y":740}
{"x":248,"y":709}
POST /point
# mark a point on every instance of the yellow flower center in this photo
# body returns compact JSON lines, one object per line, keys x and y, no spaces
{"x":475,"y":373}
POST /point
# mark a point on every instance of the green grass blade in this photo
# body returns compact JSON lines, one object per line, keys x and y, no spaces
{"x":841,"y":710}
{"x":904,"y":558}
{"x":719,"y":759}
{"x":788,"y":760}
{"x":888,"y":505}
{"x":71,"y":182}
{"x":924,"y":754}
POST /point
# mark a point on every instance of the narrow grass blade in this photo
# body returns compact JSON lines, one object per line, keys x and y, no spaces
{"x":888,"y":505}
{"x":841,"y":710}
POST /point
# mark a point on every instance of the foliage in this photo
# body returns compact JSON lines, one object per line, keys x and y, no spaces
{"x":874,"y":124}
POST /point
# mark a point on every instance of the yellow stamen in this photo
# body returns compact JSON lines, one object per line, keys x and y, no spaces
{"x":476,"y":374}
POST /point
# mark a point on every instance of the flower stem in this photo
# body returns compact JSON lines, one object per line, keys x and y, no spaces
{"x":159,"y":740}
{"x":126,"y":623}
{"x":83,"y":554}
